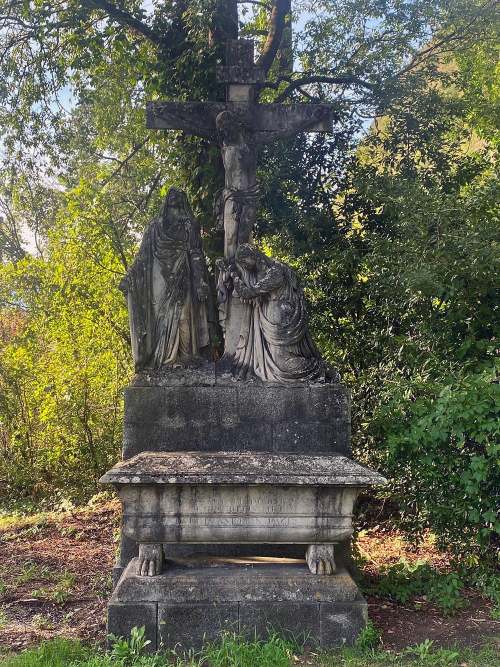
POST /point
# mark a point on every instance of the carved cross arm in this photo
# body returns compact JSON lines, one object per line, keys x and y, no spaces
{"x":279,"y":121}
{"x":196,"y":118}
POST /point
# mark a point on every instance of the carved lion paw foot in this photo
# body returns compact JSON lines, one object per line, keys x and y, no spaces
{"x":150,"y":559}
{"x":320,"y":559}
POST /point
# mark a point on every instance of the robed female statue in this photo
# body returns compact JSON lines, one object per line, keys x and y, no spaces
{"x":166,"y":289}
{"x":274,"y":343}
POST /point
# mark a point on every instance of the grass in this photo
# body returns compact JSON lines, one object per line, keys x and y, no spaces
{"x":233,"y":651}
{"x":398,"y":574}
{"x":61,"y":592}
{"x":30,"y":572}
{"x":54,"y":653}
{"x":416,"y":656}
{"x":18,"y":522}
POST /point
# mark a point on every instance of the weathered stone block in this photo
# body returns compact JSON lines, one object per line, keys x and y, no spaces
{"x":193,"y":624}
{"x":195,"y":601}
{"x":238,"y":497}
{"x":272,"y":404}
{"x":313,"y":437}
{"x":342,"y":622}
{"x":123,"y":617}
{"x":298,"y":620}
{"x":236,"y":417}
{"x":179,"y":406}
{"x":250,"y":436}
{"x":329,"y":401}
{"x":210,"y":580}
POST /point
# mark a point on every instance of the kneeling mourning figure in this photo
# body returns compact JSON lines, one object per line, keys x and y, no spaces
{"x":274,"y":344}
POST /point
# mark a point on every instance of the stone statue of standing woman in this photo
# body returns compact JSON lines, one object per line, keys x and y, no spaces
{"x":166,"y":290}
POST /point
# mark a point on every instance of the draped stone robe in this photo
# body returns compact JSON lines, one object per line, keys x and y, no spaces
{"x":168,"y":323}
{"x":275,"y":343}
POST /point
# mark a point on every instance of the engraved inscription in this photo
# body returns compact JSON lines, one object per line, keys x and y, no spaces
{"x":255,"y":521}
{"x":247,"y":513}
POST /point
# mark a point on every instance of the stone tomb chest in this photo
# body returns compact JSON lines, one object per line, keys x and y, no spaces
{"x":200,"y":497}
{"x":247,"y":498}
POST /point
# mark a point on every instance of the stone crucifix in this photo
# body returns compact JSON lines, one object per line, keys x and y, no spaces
{"x":239,"y":126}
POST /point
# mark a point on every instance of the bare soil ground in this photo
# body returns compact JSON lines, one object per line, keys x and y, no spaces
{"x":55,"y":578}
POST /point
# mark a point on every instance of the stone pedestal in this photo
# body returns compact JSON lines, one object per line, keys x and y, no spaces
{"x":236,"y":480}
{"x":199,"y":410}
{"x":197,"y":600}
{"x":204,"y":409}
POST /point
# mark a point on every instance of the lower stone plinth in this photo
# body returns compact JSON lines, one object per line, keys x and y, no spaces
{"x":195,"y":601}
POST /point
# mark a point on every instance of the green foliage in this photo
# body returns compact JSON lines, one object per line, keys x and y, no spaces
{"x":479,"y":69}
{"x":234,"y":651}
{"x":398,"y":254}
{"x":57,"y":587}
{"x":486,"y":579}
{"x":127,"y":651}
{"x":457,"y":426}
{"x":445,"y":592}
{"x":60,"y":593}
{"x":395,"y":233}
{"x":425,"y":653}
{"x":421,"y":655}
{"x":53,"y":653}
{"x":31,"y":571}
{"x":368,"y":638}
{"x":59,"y":652}
{"x":404,"y":581}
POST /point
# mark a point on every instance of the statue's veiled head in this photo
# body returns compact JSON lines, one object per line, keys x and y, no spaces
{"x":175,"y":205}
{"x":247,"y":256}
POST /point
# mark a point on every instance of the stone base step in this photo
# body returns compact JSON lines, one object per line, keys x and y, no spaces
{"x":194,"y":602}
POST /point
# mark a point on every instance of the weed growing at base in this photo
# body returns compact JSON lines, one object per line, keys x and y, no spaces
{"x":233,"y":650}
{"x":53,"y":653}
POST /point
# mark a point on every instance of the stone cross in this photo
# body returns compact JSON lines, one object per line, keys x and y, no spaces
{"x":239,"y":125}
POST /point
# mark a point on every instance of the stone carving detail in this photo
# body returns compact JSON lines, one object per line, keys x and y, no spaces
{"x":239,"y":126}
{"x":150,"y":562}
{"x":223,"y":497}
{"x":166,"y":289}
{"x":241,"y":191}
{"x":320,"y":559}
{"x":236,"y":472}
{"x":274,"y":343}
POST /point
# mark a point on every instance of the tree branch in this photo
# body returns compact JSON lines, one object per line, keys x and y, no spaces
{"x":456,"y":35}
{"x":276,"y":26}
{"x":126,"y":19}
{"x":314,"y":78}
{"x":259,"y":3}
{"x":123,"y":163}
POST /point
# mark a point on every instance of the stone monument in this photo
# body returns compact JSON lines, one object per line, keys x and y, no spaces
{"x":236,"y":481}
